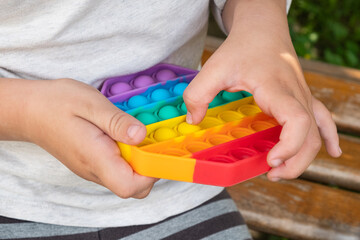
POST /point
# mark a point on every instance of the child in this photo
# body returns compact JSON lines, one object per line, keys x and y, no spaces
{"x":52,"y":129}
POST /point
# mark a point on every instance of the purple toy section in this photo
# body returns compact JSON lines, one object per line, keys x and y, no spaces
{"x":136,"y":83}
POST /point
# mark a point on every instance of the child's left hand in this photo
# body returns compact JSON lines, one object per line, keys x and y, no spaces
{"x":258,"y":57}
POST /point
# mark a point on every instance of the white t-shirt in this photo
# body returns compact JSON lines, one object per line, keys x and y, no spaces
{"x":91,"y":40}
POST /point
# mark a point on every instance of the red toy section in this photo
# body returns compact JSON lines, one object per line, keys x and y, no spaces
{"x":235,"y":161}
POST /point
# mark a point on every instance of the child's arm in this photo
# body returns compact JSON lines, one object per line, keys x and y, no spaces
{"x":258,"y":56}
{"x":77,"y":125}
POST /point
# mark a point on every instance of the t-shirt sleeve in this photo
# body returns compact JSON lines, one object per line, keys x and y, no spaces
{"x":217,"y":7}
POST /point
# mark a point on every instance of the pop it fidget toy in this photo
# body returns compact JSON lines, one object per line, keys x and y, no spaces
{"x":229,"y":146}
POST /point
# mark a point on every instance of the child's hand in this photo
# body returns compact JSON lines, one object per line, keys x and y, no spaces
{"x":258,"y":57}
{"x":77,"y":125}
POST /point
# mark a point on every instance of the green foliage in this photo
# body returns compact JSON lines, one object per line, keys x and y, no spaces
{"x":326,"y":30}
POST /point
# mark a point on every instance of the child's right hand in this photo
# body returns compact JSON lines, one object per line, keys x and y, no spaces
{"x":76,"y":124}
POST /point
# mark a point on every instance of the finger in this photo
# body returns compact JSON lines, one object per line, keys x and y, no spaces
{"x":327,"y":128}
{"x":119,"y":125}
{"x":200,"y":92}
{"x":101,"y":156}
{"x":144,"y":193}
{"x":296,"y":165}
{"x":294,"y":118}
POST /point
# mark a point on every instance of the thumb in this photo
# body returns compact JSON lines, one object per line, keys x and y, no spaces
{"x":123,"y":127}
{"x":117,"y":124}
{"x":200,"y":92}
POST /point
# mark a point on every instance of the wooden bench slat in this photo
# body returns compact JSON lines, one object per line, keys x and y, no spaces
{"x":341,"y":97}
{"x":298,"y":209}
{"x":344,"y":171}
{"x":330,"y":70}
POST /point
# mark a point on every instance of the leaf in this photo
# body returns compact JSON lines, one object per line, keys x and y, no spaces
{"x":333,"y":57}
{"x":339,"y":30}
{"x":351,"y":58}
{"x":352,"y":46}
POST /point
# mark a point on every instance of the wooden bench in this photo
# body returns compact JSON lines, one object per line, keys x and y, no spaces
{"x":324,"y":203}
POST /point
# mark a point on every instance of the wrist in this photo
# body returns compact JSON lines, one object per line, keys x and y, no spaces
{"x":15,"y":98}
{"x":254,"y":14}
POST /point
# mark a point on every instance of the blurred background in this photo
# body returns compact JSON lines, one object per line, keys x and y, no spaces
{"x":323,"y":30}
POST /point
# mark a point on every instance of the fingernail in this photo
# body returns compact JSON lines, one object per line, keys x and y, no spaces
{"x":340,"y":150}
{"x":133,"y":130}
{"x":189,"y":118}
{"x":276,"y":162}
{"x":274,"y":179}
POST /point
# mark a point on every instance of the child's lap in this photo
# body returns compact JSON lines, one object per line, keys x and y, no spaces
{"x":217,"y":218}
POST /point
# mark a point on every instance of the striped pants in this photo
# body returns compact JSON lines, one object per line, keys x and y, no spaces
{"x":218,"y":218}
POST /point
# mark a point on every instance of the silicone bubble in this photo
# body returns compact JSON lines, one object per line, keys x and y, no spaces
{"x":185,"y":128}
{"x":246,"y":94}
{"x":146,"y":141}
{"x":164,"y":133}
{"x":160,"y":94}
{"x":119,"y":105}
{"x":232,"y":96}
{"x":143,"y":81}
{"x":164,"y":75}
{"x":209,"y":122}
{"x":146,"y":118}
{"x":229,"y":116}
{"x":197,"y":146}
{"x":216,"y":101}
{"x":168,"y":112}
{"x":119,"y":87}
{"x":249,"y":110}
{"x":273,"y":121}
{"x":222,"y":159}
{"x":183,"y":107}
{"x":179,"y":88}
{"x":175,"y":152}
{"x":263,"y":145}
{"x":217,"y":139}
{"x":137,"y":101}
{"x":260,"y":125}
{"x":241,"y":132}
{"x":242,"y":153}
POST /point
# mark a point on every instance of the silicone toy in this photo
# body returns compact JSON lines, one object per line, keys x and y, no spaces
{"x":160,"y":94}
{"x":164,"y":75}
{"x":168,"y":111}
{"x":231,"y":96}
{"x":183,"y":108}
{"x":214,"y":152}
{"x":170,"y":107}
{"x":164,"y":133}
{"x":143,"y":81}
{"x":217,"y":101}
{"x":185,"y":128}
{"x":137,"y":101}
{"x":146,"y":118}
{"x":180,"y":88}
{"x":120,"y":87}
{"x":229,"y":146}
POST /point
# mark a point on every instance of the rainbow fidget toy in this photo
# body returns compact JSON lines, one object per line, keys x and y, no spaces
{"x":229,"y":146}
